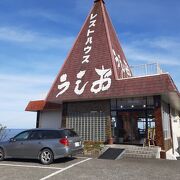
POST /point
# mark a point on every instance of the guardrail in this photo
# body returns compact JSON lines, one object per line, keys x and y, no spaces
{"x":146,"y":69}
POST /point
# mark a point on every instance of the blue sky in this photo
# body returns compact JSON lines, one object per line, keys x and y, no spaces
{"x":35,"y":37}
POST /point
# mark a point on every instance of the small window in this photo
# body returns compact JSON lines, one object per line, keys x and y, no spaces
{"x":22,"y":136}
{"x":50,"y":134}
{"x":113,"y":103}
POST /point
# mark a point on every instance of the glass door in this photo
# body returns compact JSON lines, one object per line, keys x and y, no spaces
{"x":131,"y":126}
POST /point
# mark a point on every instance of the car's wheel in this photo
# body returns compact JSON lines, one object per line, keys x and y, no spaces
{"x":46,"y":156}
{"x":1,"y":154}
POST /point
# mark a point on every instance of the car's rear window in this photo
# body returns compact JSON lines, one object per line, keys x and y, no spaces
{"x":70,"y":133}
{"x":50,"y":134}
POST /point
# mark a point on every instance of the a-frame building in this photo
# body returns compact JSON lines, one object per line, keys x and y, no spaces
{"x":98,"y":95}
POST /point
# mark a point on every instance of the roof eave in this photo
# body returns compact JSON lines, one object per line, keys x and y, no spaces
{"x":41,"y":105}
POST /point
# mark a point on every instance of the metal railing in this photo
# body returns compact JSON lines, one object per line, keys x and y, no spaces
{"x":146,"y":69}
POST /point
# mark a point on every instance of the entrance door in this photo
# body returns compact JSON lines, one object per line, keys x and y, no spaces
{"x":131,"y":126}
{"x":127,"y":132}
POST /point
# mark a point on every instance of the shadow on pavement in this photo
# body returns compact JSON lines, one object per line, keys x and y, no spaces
{"x":61,"y":160}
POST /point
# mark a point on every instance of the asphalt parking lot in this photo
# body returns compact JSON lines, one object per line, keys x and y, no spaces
{"x":91,"y":169}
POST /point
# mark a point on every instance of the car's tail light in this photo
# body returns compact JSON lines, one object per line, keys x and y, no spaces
{"x":64,"y":141}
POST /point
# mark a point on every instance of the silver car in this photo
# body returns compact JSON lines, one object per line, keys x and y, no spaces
{"x":43,"y":144}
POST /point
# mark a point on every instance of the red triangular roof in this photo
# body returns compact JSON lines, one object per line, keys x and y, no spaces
{"x":95,"y":55}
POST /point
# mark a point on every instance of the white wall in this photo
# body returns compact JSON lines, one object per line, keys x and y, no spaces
{"x":50,"y":119}
{"x":175,"y":121}
{"x":176,"y":129}
{"x":170,"y":155}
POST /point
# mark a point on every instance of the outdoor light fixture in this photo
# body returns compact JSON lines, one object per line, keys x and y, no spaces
{"x":121,"y":107}
{"x":132,"y":106}
{"x":144,"y":105}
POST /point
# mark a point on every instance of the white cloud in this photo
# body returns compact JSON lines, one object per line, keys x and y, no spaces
{"x":145,"y":13}
{"x":52,"y":16}
{"x":33,"y":39}
{"x":24,"y":87}
{"x":26,"y":79}
{"x":16,"y":35}
{"x":18,"y":119}
{"x":167,"y":43}
{"x":39,"y":63}
{"x":141,"y":55}
{"x":164,"y":50}
{"x":16,"y":92}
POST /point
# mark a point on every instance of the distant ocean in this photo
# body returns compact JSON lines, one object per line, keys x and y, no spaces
{"x":9,"y":133}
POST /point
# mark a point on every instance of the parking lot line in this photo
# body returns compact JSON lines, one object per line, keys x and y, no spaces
{"x":26,"y":166}
{"x":64,"y":169}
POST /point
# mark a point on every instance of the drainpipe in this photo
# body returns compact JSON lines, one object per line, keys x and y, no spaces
{"x":146,"y":114}
{"x":37,"y":119}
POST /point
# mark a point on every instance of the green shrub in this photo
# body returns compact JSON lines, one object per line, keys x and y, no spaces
{"x":93,"y":147}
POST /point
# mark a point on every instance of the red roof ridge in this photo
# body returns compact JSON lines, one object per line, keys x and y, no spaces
{"x":99,"y":0}
{"x":109,"y":42}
